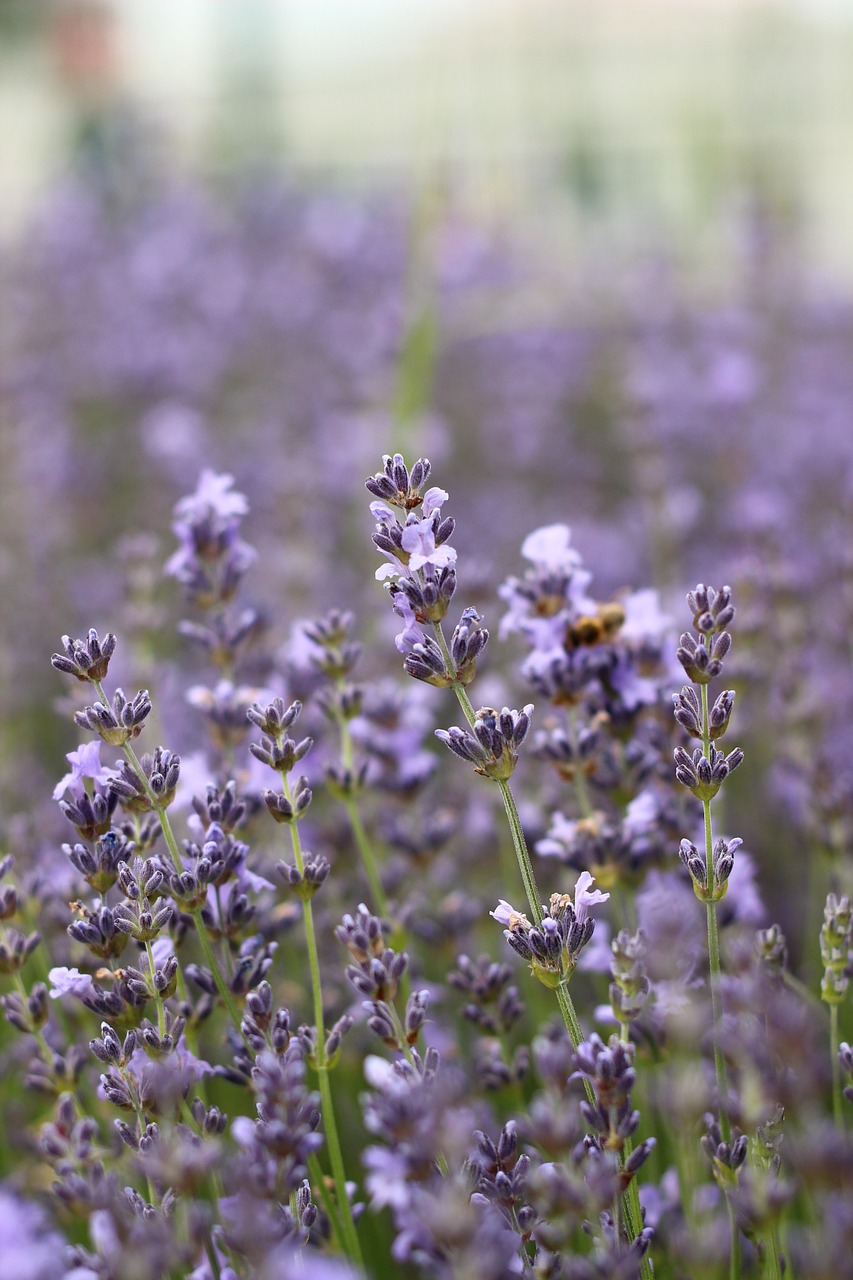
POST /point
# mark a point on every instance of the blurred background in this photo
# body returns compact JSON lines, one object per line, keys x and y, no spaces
{"x":638,"y":120}
{"x":593,"y":258}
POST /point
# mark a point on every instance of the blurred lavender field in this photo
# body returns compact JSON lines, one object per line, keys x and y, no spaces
{"x":198,"y":375}
{"x":290,"y":338}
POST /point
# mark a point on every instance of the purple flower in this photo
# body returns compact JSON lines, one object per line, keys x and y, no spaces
{"x":419,"y":542}
{"x":70,"y":982}
{"x":212,"y":498}
{"x":586,"y":897}
{"x":411,"y":633}
{"x":506,"y":913}
{"x":548,"y":548}
{"x":387,"y":1178}
{"x":434,"y":500}
{"x":85,"y":763}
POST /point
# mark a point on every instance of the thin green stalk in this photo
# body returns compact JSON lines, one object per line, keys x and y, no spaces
{"x":399,"y":1030}
{"x":349,"y":1235}
{"x":318,"y":1180}
{"x":735,"y":1253}
{"x":362,"y":841}
{"x":714,"y":944}
{"x":138,"y":1111}
{"x":581,"y":789}
{"x":837,"y":1109}
{"x":772,"y":1266}
{"x":715,"y":970}
{"x":519,"y":843}
{"x":210,"y":1250}
{"x":368,"y":861}
{"x":522,"y":854}
{"x":161,"y":1009}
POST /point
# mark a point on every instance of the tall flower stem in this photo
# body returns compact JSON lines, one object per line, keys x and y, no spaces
{"x":715,"y":969}
{"x":633,"y":1216}
{"x":714,"y":942}
{"x":837,"y":1109}
{"x":522,"y":854}
{"x":773,"y":1269}
{"x":348,"y":1231}
{"x":362,"y":840}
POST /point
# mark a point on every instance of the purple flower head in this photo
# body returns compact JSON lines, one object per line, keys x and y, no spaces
{"x":411,"y":634}
{"x":85,"y":763}
{"x":419,"y":541}
{"x":434,"y":500}
{"x":70,"y":982}
{"x":212,"y":499}
{"x":551,"y":592}
{"x":585,"y":897}
{"x":553,"y":945}
{"x":548,"y":548}
{"x":211,"y":557}
{"x":506,"y":913}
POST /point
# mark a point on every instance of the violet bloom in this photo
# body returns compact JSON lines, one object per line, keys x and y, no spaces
{"x":206,"y":527}
{"x":506,"y":913}
{"x":585,"y":897}
{"x":548,"y":548}
{"x":85,"y":763}
{"x":553,"y":946}
{"x":552,"y":590}
{"x":411,"y":633}
{"x":419,"y":541}
{"x":212,"y":499}
{"x":70,"y":982}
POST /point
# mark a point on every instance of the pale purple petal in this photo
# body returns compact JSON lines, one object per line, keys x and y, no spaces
{"x":504,"y":912}
{"x":434,"y":500}
{"x":69,"y":982}
{"x":585,"y":897}
{"x":549,"y":547}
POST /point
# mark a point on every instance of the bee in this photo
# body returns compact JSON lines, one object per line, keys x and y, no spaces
{"x":596,"y":628}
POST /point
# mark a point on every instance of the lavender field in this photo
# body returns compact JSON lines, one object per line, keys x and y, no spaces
{"x":428,"y":853}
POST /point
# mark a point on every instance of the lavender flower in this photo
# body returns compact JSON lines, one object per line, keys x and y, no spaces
{"x":554,"y":946}
{"x":492,"y":745}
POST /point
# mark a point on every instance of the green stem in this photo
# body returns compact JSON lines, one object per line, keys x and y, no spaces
{"x":362,"y":842}
{"x":772,"y":1267}
{"x":161,"y":1009}
{"x":837,"y":1109}
{"x":399,"y":1030}
{"x":734,"y":1256}
{"x":519,"y":843}
{"x":581,"y":789}
{"x":318,"y":1181}
{"x":368,"y":861}
{"x":522,"y":854}
{"x":348,"y":1232}
{"x":714,"y":946}
{"x":213,"y":965}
